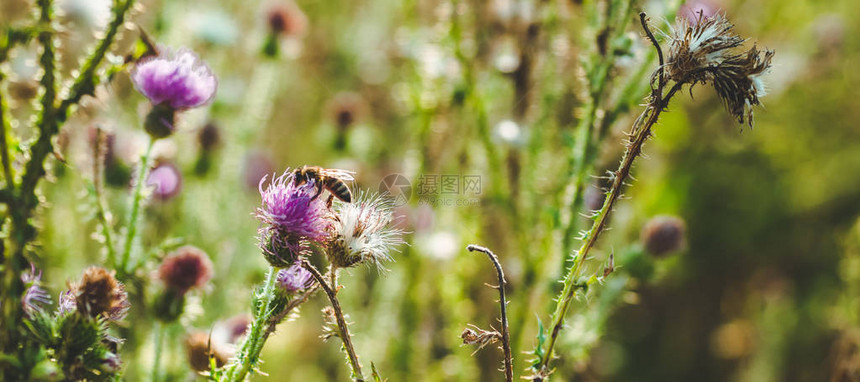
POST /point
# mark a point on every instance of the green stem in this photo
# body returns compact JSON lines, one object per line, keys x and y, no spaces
{"x":253,"y":344}
{"x":137,"y":198}
{"x":4,"y":144}
{"x":158,"y":345}
{"x":589,"y":136}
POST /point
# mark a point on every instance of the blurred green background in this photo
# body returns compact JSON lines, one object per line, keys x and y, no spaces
{"x":766,"y":288}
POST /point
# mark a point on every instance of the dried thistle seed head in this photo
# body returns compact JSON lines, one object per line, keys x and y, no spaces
{"x":186,"y":268}
{"x":200,"y":348}
{"x":695,"y":46}
{"x":738,"y":82}
{"x":663,"y":235}
{"x":363,"y":233}
{"x":99,"y":294}
{"x":706,"y":51}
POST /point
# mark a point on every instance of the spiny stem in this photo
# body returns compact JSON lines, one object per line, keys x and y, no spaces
{"x":20,"y":209}
{"x":274,"y":320}
{"x":640,"y":132}
{"x":253,"y":344}
{"x":341,"y":322}
{"x":137,"y":198}
{"x":85,"y":82}
{"x":589,"y":135}
{"x":45,"y":122}
{"x":506,"y":342}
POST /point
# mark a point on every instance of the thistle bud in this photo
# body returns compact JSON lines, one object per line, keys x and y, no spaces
{"x":663,"y":235}
{"x":209,"y":137}
{"x":160,"y":122}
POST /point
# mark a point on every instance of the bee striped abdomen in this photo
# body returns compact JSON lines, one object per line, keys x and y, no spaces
{"x":339,"y":189}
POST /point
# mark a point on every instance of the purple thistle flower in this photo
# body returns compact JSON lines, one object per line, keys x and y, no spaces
{"x":292,"y":214}
{"x":294,"y":208}
{"x":172,"y":82}
{"x":66,"y":302}
{"x":34,"y":296}
{"x":181,"y":81}
{"x":294,"y":279}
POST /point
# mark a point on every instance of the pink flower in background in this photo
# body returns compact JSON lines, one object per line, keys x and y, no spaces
{"x":690,"y":10}
{"x":166,"y":181}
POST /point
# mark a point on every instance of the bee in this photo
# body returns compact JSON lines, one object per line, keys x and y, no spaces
{"x":333,"y":180}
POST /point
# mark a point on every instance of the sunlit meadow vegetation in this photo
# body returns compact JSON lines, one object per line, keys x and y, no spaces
{"x":429,"y":190}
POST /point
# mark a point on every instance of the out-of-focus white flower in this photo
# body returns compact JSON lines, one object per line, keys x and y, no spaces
{"x":440,"y":245}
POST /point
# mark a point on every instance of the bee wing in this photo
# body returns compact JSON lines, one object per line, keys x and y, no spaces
{"x":344,"y":175}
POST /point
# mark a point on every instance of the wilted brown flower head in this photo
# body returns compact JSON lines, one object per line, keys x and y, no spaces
{"x":100,"y":294}
{"x":663,"y":235}
{"x":186,"y":268}
{"x":706,"y":51}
